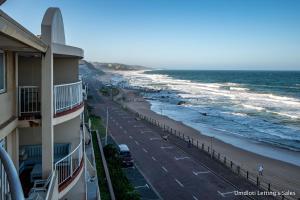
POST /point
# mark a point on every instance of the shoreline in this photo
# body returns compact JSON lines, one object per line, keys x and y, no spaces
{"x":282,"y":175}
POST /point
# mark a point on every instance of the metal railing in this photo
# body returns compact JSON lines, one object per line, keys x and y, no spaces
{"x":67,"y":166}
{"x":10,"y":185}
{"x":67,"y":96}
{"x":29,"y":100}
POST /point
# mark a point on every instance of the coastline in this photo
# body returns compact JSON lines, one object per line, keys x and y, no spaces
{"x":282,"y":175}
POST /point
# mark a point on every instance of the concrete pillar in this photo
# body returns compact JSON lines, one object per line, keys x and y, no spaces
{"x":47,"y":113}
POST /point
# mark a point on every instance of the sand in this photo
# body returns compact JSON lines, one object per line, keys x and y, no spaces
{"x":281,"y":175}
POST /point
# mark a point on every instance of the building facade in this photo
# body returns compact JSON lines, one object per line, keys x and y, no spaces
{"x":41,"y":110}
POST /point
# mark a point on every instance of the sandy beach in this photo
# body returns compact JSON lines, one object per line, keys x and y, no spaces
{"x":282,"y":176}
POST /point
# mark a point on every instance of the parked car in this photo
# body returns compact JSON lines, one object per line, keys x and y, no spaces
{"x":125,"y":156}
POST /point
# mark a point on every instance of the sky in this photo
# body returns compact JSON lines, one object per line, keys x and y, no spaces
{"x":179,"y":34}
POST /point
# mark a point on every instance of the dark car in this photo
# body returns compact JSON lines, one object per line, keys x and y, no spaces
{"x":125,"y":156}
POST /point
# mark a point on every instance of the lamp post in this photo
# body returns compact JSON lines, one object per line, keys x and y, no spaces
{"x":106,"y":131}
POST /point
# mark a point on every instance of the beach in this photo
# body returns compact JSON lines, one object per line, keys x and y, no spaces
{"x":281,"y":175}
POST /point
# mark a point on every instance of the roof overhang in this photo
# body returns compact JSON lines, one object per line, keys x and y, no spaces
{"x":62,"y":50}
{"x":14,"y":36}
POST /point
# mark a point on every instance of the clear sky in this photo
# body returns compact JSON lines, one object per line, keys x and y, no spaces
{"x":201,"y":34}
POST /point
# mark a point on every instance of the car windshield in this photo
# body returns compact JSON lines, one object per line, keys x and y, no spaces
{"x":125,"y":153}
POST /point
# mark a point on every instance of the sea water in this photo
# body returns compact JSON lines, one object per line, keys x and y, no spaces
{"x":255,"y":110}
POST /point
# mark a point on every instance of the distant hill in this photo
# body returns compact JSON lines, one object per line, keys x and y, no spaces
{"x":118,"y":66}
{"x":86,"y":67}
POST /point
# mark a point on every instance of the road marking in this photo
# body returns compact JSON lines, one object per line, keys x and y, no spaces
{"x":142,"y":186}
{"x":203,"y":172}
{"x":223,"y":194}
{"x":145,"y":150}
{"x":117,"y":123}
{"x":168,"y":147}
{"x":195,"y":197}
{"x":156,"y":138}
{"x":181,"y":158}
{"x":153,"y":158}
{"x":130,"y":137}
{"x":125,"y":131}
{"x":136,"y":142}
{"x":165,"y":169}
{"x":179,"y":183}
{"x":121,"y":127}
{"x":139,"y":126}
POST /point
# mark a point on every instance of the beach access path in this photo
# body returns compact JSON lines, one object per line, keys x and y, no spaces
{"x":171,"y":171}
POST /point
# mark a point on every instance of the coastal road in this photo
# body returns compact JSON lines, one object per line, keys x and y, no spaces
{"x":172,"y":172}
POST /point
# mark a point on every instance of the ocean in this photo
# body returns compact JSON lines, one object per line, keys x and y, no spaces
{"x":259,"y":107}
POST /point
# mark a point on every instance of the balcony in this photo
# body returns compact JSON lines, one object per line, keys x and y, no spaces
{"x":66,"y":98}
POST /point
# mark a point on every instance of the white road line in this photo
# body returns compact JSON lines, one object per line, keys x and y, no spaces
{"x":121,"y":127}
{"x":153,"y":158}
{"x":195,"y":197}
{"x":165,"y":169}
{"x":200,"y":172}
{"x":225,"y":193}
{"x":181,"y":158}
{"x":168,"y":147}
{"x":156,"y":138}
{"x":179,"y":183}
{"x":136,"y":142}
{"x":145,"y":150}
{"x":220,"y":193}
{"x":142,"y":186}
{"x":130,"y":137}
{"x":138,"y":126}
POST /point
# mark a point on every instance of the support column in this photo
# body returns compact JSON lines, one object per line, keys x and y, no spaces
{"x":47,"y":113}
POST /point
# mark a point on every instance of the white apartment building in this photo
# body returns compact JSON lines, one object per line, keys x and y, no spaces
{"x":41,"y":112}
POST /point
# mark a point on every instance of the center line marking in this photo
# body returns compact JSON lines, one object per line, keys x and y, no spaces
{"x":136,"y":142}
{"x":195,"y":197}
{"x":181,"y":158}
{"x":130,"y":136}
{"x":165,"y":169}
{"x":168,"y":147}
{"x":179,"y":183}
{"x":153,"y":158}
{"x":203,"y":172}
{"x":145,"y":150}
{"x":156,"y":138}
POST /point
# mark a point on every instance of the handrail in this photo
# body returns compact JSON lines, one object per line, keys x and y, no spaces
{"x":67,"y":84}
{"x":68,"y":165}
{"x":12,"y":175}
{"x":51,"y":186}
{"x":79,"y":145}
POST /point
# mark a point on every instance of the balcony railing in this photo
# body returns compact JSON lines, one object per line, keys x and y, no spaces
{"x":10,"y":185}
{"x":68,"y":166}
{"x":29,"y":100}
{"x":67,"y":96}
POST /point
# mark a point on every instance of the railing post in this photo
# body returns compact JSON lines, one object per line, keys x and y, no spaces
{"x":54,"y":100}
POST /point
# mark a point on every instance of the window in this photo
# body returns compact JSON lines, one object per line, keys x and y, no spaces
{"x":2,"y":72}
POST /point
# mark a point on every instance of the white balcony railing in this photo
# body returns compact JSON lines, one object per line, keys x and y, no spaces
{"x":68,"y":166}
{"x":29,"y":100}
{"x":67,"y":96}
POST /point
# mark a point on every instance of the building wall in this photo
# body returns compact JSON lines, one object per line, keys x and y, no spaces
{"x":29,"y":71}
{"x":30,"y":135}
{"x":68,"y":132}
{"x":8,"y":98}
{"x":65,"y":70}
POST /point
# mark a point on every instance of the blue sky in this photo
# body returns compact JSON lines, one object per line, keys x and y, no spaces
{"x":201,"y":34}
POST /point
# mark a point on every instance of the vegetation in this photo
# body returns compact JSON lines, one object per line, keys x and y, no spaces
{"x":104,"y":91}
{"x":97,"y":125}
{"x":102,"y":182}
{"x":122,"y":187}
